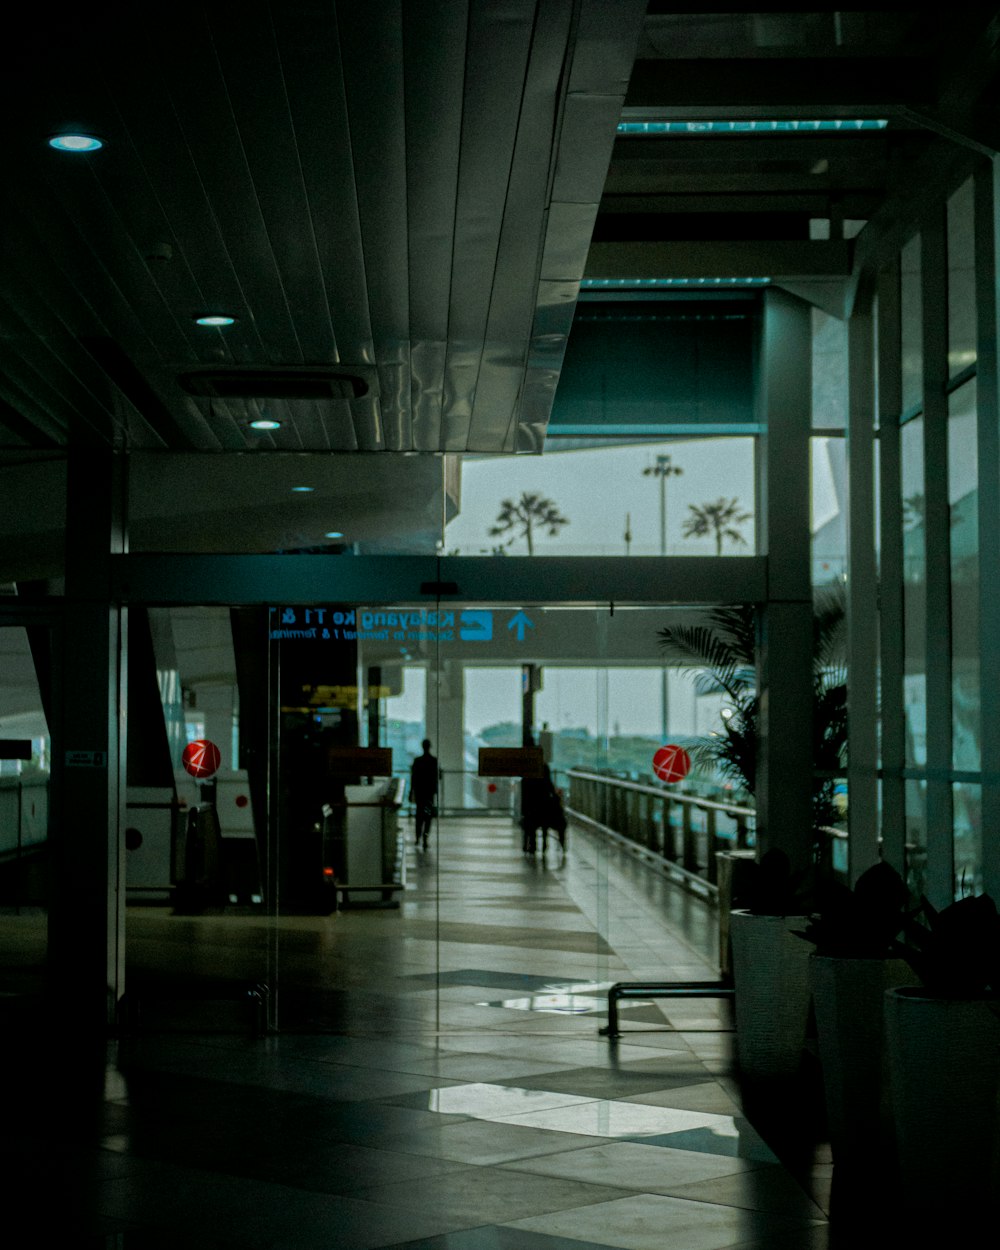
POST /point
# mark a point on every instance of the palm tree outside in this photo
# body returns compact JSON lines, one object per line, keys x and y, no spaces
{"x":525,"y":517}
{"x":718,"y":519}
{"x":720,"y":654}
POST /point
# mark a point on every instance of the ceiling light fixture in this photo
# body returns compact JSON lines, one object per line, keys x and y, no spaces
{"x":265,"y":423}
{"x":75,"y":143}
{"x":303,"y":490}
{"x":215,"y":319}
{"x":827,"y":125}
{"x":333,"y":534}
{"x":637,"y":284}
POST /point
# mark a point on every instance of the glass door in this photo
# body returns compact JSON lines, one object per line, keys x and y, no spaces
{"x":467,"y":831}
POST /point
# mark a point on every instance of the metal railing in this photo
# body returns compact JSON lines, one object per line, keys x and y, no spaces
{"x":681,"y":831}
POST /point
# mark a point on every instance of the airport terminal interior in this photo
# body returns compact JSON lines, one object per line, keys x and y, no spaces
{"x":603,"y":400}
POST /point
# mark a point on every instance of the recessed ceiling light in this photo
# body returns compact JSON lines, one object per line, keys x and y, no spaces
{"x":788,"y":126}
{"x":265,"y":423}
{"x":215,"y":319}
{"x":303,"y":489}
{"x":75,"y":143}
{"x":333,"y":534}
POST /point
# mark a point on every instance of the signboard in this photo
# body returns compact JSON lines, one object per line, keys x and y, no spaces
{"x":86,"y":759}
{"x":671,"y":763}
{"x":15,"y":748}
{"x":399,"y":625}
{"x":359,"y":762}
{"x":511,"y":762}
{"x":201,"y":758}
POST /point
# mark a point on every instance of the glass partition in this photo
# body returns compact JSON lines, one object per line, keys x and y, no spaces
{"x":469,"y":905}
{"x":199,"y":917}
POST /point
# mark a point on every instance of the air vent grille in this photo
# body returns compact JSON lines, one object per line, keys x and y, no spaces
{"x":320,"y":384}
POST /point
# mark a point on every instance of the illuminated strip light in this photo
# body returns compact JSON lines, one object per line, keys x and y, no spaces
{"x":829,"y":125}
{"x":637,"y":284}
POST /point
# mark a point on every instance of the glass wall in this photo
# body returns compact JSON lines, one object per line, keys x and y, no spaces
{"x":686,"y":497}
{"x":940,"y":551}
{"x":829,"y":497}
{"x":963,"y":498}
{"x":829,"y":371}
{"x":911,"y":326}
{"x":961,"y":281}
{"x":914,"y":592}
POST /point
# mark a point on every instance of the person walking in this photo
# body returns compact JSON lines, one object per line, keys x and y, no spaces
{"x":423,"y":792}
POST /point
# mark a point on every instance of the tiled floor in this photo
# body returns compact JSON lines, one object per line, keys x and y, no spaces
{"x":461,"y":1098}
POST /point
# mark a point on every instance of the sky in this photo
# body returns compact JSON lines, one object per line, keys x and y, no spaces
{"x":598,"y":489}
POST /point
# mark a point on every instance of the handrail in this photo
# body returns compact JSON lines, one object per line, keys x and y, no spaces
{"x":658,"y":792}
{"x":682,"y":834}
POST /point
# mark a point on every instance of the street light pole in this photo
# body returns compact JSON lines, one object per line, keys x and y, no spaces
{"x":662,"y":469}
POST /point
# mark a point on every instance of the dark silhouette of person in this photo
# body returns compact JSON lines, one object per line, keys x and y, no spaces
{"x":423,"y":791}
{"x":541,"y":810}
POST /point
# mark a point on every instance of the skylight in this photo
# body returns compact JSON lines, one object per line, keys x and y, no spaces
{"x":637,"y":284}
{"x":828,"y":125}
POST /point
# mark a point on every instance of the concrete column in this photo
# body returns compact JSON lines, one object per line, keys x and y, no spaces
{"x":87,"y":907}
{"x":891,"y":571}
{"x":940,"y":882}
{"x":862,"y":593}
{"x":987,"y":230}
{"x":784,"y":671}
{"x":445,"y":728}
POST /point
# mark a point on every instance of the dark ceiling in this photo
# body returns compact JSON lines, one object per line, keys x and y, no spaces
{"x":396,"y":200}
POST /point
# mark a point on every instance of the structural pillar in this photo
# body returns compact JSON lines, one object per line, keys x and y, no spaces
{"x":988,"y":432}
{"x":87,"y":898}
{"x":862,"y":660}
{"x":445,"y":717}
{"x":785,"y":624}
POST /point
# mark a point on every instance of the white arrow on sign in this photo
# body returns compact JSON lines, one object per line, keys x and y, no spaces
{"x":520,"y":622}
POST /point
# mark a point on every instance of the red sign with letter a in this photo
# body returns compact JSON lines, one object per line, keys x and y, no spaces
{"x":201,"y":758}
{"x":671,"y":763}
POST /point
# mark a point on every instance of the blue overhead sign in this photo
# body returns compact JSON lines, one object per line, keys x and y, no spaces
{"x":402,"y":625}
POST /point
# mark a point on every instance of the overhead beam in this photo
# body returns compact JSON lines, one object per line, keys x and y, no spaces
{"x":816,"y":202}
{"x":744,"y":258}
{"x":282,"y":579}
{"x":841,"y":83}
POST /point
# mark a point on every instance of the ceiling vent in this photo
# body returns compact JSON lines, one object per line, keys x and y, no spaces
{"x":280,"y":383}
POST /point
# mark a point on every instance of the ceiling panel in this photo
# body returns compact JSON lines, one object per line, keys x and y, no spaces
{"x":364,"y":185}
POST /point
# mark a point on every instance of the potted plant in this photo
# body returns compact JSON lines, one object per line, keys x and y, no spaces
{"x":770,"y":967}
{"x":855,"y":961}
{"x":943,"y":1042}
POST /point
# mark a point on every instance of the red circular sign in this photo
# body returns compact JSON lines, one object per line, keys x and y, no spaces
{"x":671,"y":763}
{"x":201,"y":758}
